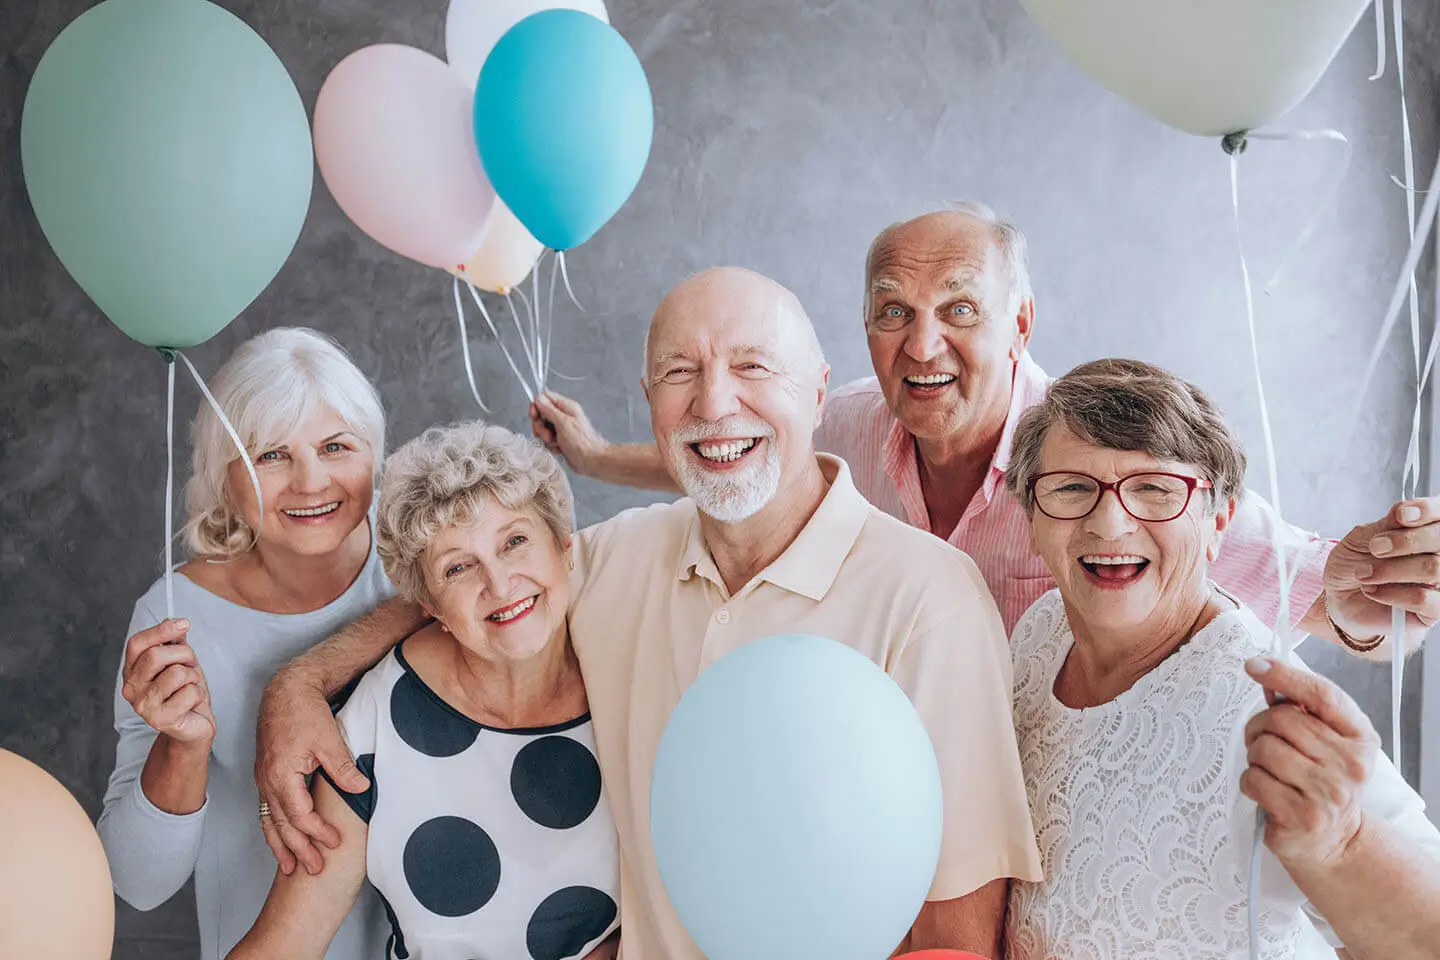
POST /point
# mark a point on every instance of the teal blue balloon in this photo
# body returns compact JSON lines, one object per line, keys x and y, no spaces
{"x":563,"y":121}
{"x":795,"y":805}
{"x":168,"y":158}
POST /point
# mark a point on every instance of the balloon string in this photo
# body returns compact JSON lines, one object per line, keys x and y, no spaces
{"x":528,"y":314}
{"x":520,"y":332}
{"x":1322,"y":210}
{"x":535,"y":316}
{"x":235,"y":439}
{"x":550,"y":314}
{"x":565,"y":275}
{"x":465,"y":347}
{"x":169,"y":487}
{"x":1380,"y":41}
{"x":1409,"y":476}
{"x":475,"y":295}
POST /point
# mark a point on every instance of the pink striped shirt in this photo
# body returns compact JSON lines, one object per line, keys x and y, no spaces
{"x":859,"y":427}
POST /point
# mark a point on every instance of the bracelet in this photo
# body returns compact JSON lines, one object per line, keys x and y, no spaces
{"x":1359,"y":646}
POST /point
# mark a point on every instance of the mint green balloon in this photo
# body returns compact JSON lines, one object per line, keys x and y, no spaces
{"x":168,"y":159}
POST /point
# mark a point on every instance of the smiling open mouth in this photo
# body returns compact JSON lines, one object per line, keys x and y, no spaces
{"x":320,"y":511}
{"x":514,"y":611}
{"x":724,"y":451}
{"x":930,"y":381}
{"x":1117,"y":569}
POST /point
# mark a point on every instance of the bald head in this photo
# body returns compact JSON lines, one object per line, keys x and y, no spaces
{"x":725,"y":300}
{"x":967,"y":232}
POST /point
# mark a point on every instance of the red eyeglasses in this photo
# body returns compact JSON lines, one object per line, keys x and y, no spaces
{"x":1149,"y":497}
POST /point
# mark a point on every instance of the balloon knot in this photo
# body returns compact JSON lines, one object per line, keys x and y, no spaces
{"x":168,"y":353}
{"x":1233,"y":143}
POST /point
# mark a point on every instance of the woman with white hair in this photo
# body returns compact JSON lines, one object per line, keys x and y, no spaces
{"x":268,"y":579}
{"x":1141,"y":711}
{"x":484,"y":826}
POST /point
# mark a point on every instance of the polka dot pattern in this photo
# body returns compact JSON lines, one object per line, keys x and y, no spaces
{"x":556,"y":782}
{"x":452,"y":866}
{"x":426,"y":723}
{"x":566,"y":922}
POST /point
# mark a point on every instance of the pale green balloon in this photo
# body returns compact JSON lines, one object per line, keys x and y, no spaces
{"x":168,"y":158}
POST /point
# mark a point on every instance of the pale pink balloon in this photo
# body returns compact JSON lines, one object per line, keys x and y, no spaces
{"x":395,"y":144}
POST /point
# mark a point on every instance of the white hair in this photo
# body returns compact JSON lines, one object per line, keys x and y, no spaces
{"x":268,"y":388}
{"x":1009,"y":240}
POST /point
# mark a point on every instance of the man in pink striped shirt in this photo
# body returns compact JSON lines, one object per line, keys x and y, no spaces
{"x":948,"y":317}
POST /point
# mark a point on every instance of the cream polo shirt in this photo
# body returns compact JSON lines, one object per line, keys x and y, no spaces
{"x":650,"y":612}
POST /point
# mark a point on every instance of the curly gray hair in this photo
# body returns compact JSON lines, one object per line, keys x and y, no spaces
{"x":444,"y":477}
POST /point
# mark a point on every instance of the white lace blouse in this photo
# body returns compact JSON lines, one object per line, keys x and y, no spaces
{"x":1144,"y":836}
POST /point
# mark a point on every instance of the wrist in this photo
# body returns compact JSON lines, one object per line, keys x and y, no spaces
{"x":186,"y":753}
{"x":1359,"y":644}
{"x":1319,"y":865}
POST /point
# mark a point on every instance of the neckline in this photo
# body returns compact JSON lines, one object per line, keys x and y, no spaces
{"x":1202,"y":638}
{"x":366,"y":574}
{"x":448,"y":707}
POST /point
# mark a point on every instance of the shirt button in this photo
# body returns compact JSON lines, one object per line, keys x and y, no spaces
{"x":723,"y":616}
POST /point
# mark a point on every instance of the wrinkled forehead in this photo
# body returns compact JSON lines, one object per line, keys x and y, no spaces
{"x":936,"y":256}
{"x":700,"y":327}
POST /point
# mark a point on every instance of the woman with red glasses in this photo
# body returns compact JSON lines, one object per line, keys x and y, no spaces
{"x":1144,"y":734}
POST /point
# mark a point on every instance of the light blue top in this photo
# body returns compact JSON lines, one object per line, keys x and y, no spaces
{"x":153,"y":853}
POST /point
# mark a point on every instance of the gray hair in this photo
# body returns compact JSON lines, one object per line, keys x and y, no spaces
{"x":1136,"y":406}
{"x":1009,"y":241}
{"x":268,"y":388}
{"x":444,"y":477}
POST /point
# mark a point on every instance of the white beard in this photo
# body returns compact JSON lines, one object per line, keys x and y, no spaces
{"x":728,"y":497}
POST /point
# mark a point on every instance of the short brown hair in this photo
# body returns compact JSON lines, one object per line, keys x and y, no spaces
{"x":1131,"y":405}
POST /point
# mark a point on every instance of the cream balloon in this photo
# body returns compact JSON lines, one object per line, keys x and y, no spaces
{"x":506,"y":256}
{"x":1207,"y":67}
{"x":473,"y":27}
{"x":55,"y":893}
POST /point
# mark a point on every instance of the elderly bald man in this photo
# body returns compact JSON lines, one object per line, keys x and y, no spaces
{"x":948,"y":318}
{"x":771,"y":538}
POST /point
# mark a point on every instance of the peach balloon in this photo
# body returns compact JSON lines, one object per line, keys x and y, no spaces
{"x":55,"y":893}
{"x":506,"y":255}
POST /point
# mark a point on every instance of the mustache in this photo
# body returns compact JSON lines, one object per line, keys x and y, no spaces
{"x":698,"y":431}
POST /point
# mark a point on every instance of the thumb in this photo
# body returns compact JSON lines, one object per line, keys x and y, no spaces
{"x":563,"y":404}
{"x":343,"y":771}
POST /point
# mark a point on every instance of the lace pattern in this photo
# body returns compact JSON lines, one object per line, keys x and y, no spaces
{"x":1135,"y":804}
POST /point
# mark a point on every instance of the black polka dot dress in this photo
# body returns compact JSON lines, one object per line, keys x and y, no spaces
{"x":485,"y":843}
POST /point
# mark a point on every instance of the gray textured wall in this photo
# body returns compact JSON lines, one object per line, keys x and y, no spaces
{"x":787,"y":133}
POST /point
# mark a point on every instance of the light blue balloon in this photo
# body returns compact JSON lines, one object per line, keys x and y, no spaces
{"x":795,"y":807}
{"x":563,"y":121}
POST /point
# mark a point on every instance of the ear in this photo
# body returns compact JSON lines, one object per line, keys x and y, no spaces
{"x":1024,"y":326}
{"x":822,"y":392}
{"x":1224,"y":514}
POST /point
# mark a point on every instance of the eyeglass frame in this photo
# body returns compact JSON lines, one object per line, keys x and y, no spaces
{"x":1191,"y":485}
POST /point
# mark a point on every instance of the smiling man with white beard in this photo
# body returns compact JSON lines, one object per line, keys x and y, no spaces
{"x":772,"y":538}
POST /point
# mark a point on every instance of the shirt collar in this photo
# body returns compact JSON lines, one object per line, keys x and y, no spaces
{"x":811,"y":563}
{"x":1027,"y":387}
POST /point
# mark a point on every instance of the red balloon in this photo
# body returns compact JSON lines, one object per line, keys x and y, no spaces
{"x":940,"y":955}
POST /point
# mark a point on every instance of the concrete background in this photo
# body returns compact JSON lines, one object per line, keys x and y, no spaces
{"x":787,"y":134}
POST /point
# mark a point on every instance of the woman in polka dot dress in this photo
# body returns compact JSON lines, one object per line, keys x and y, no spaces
{"x":485,"y":828}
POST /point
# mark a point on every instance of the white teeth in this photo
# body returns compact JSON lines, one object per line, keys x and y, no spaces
{"x":510,"y":613}
{"x":931,"y":379}
{"x":313,"y":511}
{"x":725,"y":452}
{"x":1111,"y":561}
